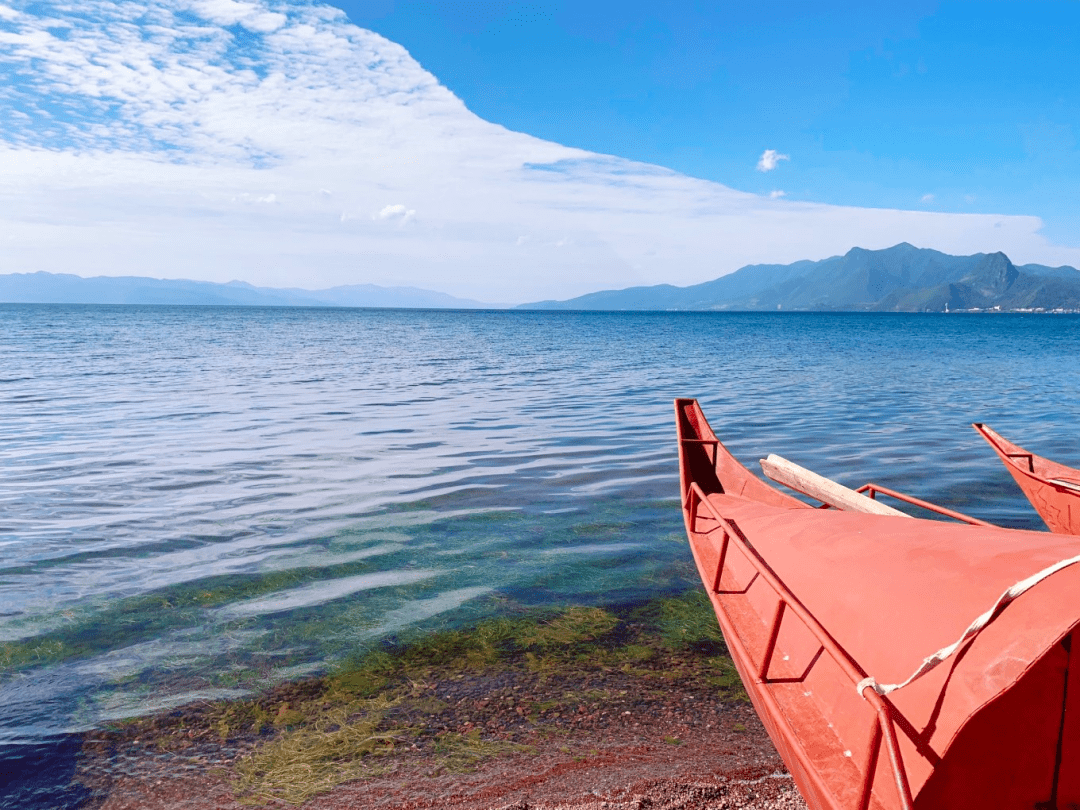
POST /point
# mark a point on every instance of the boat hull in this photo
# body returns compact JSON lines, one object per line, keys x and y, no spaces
{"x":812,"y":602}
{"x":1053,"y":489}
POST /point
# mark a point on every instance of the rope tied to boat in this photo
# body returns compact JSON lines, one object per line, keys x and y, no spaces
{"x":930,"y":662}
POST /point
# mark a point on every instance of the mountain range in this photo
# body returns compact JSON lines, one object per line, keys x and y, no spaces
{"x":64,"y":288}
{"x":902,"y":278}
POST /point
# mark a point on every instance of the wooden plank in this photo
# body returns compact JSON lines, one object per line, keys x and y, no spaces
{"x":817,"y":486}
{"x":1066,"y":482}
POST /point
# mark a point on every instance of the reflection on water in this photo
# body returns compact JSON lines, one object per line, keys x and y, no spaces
{"x":201,"y":501}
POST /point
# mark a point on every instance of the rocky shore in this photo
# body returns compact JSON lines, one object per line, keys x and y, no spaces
{"x":580,"y":710}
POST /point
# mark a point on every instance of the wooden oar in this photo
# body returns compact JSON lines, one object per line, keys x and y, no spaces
{"x":817,"y":486}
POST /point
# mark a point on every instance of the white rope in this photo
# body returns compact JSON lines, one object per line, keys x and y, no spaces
{"x":976,"y":626}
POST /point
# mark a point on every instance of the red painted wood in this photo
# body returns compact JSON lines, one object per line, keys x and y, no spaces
{"x":1057,"y":504}
{"x":994,"y":726}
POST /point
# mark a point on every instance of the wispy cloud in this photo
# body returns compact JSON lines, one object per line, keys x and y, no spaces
{"x":251,"y":16}
{"x":926,"y":198}
{"x":777,"y":194}
{"x":398,"y":213}
{"x":275,"y":142}
{"x":770,"y":159}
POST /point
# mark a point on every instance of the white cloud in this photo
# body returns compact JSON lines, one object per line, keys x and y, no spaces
{"x":397,"y":212}
{"x":128,"y":144}
{"x":926,"y":198}
{"x":777,"y":194}
{"x":251,"y":16}
{"x":264,"y":23}
{"x":770,"y":159}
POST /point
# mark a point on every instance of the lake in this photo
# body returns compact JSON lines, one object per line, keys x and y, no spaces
{"x":199,"y":502}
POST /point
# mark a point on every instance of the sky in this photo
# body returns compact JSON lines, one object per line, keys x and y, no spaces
{"x":967,"y":107}
{"x":510,"y":151}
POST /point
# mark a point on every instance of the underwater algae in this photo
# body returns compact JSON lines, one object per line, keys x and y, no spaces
{"x":453,"y":698}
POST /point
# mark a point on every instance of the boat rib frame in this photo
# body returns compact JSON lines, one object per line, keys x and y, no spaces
{"x":871,"y":490}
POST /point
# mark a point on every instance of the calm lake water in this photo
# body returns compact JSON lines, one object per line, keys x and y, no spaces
{"x":198,"y":502}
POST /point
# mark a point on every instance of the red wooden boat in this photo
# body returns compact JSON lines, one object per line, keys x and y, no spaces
{"x":1052,"y":488}
{"x":821,"y":607}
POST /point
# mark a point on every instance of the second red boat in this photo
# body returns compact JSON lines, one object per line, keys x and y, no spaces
{"x":1052,"y":488}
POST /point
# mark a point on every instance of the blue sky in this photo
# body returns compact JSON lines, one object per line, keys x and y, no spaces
{"x":511,"y":152}
{"x":956,"y":106}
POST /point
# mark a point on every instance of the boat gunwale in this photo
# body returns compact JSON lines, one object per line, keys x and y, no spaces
{"x":1000,"y":445}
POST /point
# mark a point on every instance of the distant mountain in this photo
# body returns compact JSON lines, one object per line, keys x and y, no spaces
{"x":63,"y":288}
{"x":902,"y":278}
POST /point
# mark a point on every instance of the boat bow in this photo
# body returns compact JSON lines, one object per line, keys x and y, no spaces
{"x":815,"y":602}
{"x":1053,"y":489}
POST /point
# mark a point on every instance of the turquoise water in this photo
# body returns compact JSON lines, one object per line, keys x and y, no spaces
{"x":199,"y":502}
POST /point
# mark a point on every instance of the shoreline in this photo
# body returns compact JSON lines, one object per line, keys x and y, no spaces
{"x":665,"y":751}
{"x":578,"y":709}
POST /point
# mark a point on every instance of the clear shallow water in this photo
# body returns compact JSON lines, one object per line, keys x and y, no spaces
{"x":196,"y":502}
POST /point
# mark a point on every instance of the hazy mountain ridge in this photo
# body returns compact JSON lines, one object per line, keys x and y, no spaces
{"x":64,"y":288}
{"x":902,"y":278}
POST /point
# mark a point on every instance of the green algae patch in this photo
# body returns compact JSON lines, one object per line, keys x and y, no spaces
{"x":17,"y":655}
{"x":461,"y":752}
{"x":573,"y":627}
{"x":724,"y":676}
{"x":447,"y":701}
{"x":335,"y":746}
{"x":686,"y":621}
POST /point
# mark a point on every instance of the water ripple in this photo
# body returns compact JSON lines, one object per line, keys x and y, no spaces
{"x":201,"y":501}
